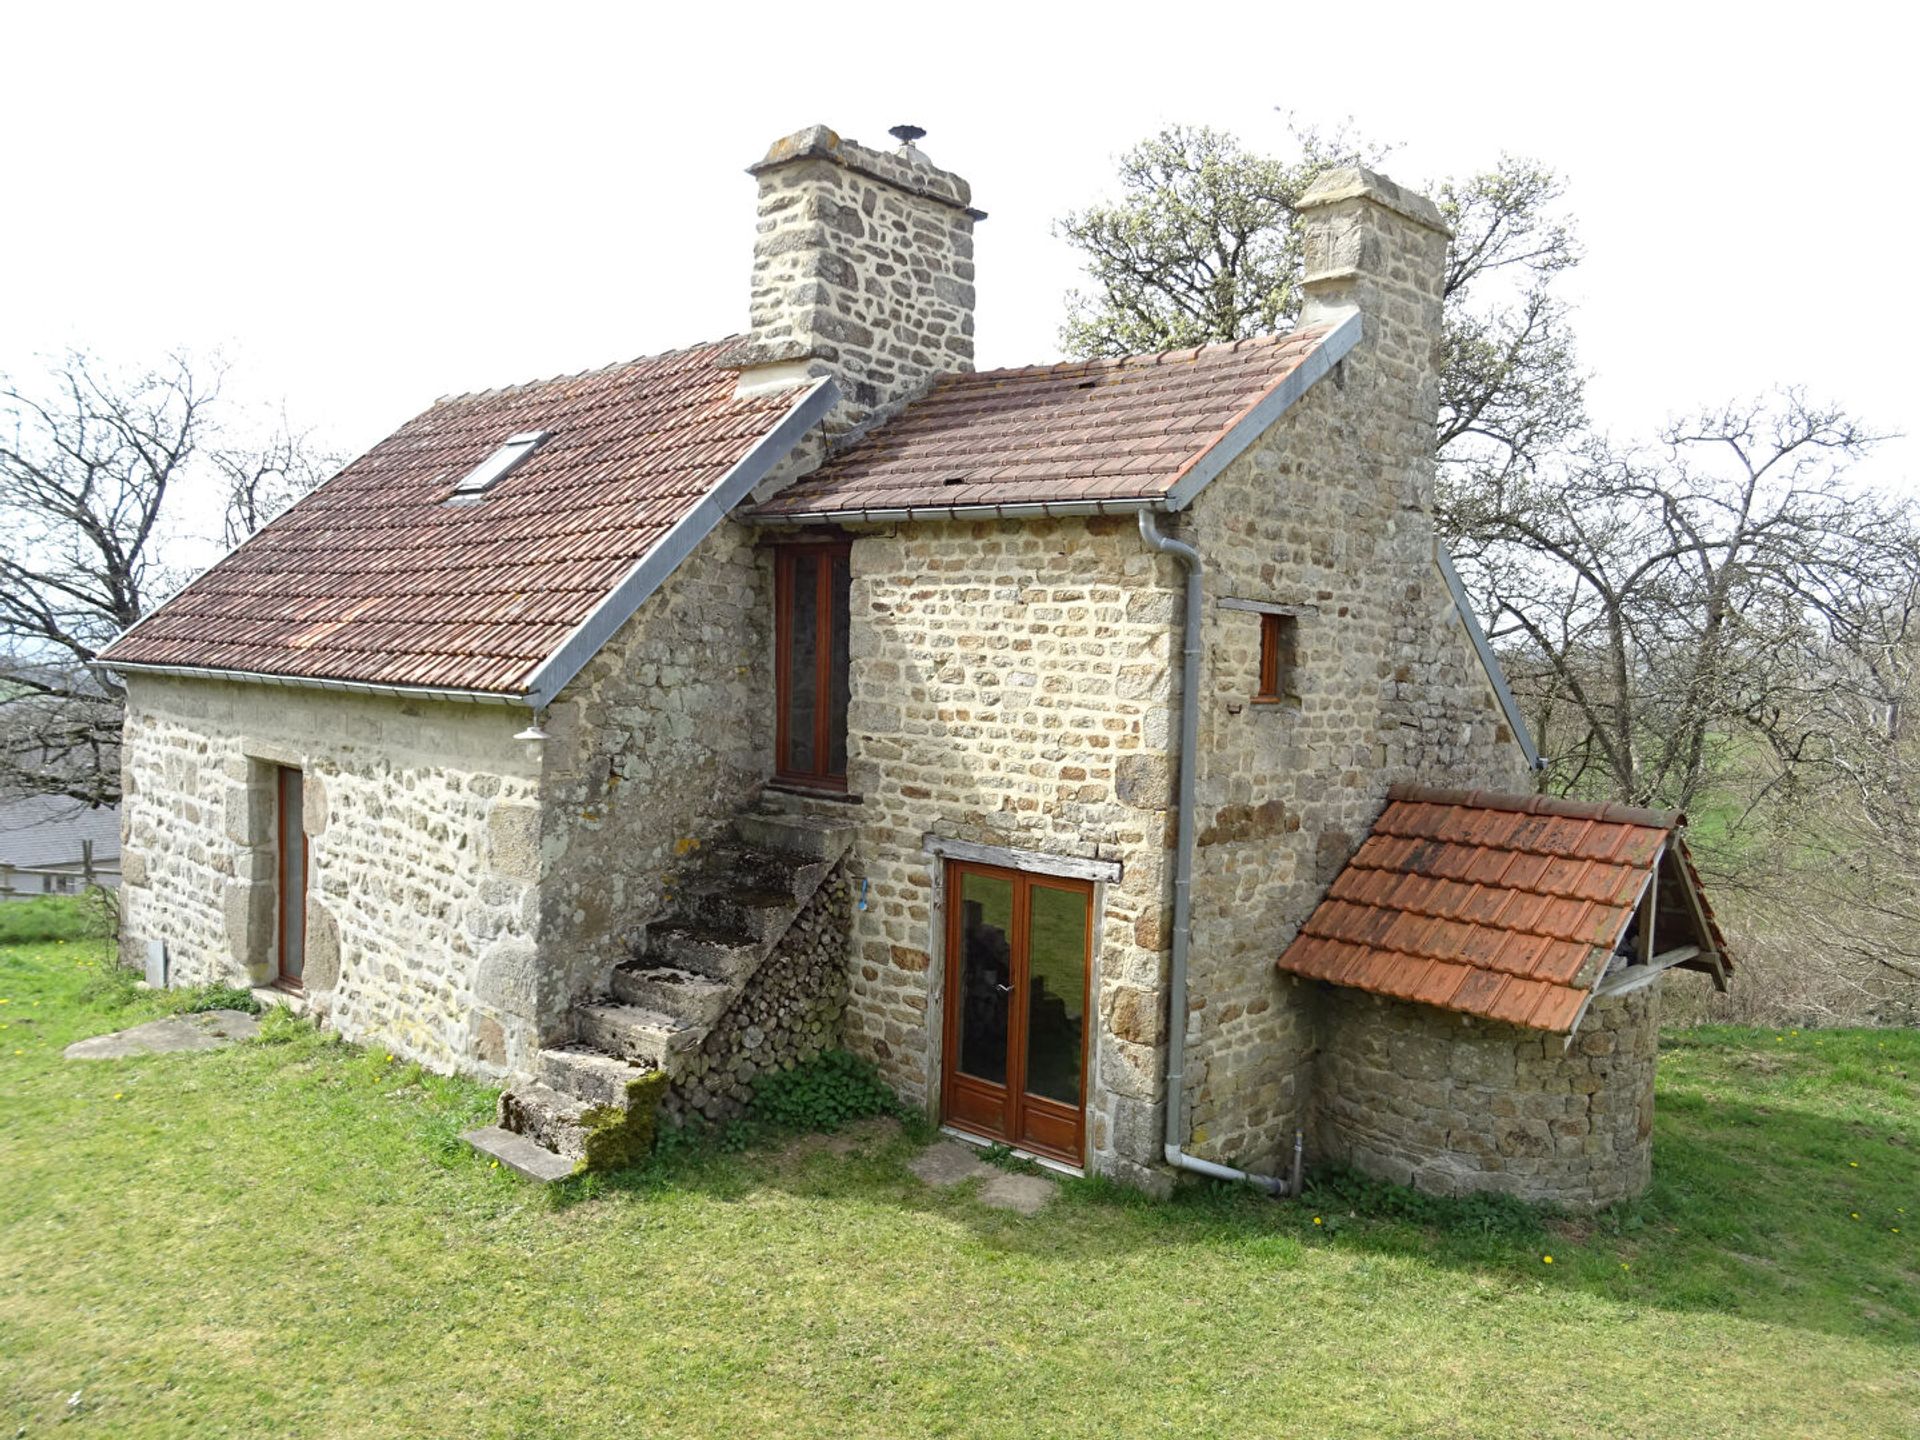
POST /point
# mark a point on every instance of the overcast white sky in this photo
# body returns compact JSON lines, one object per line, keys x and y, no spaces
{"x":370,"y":206}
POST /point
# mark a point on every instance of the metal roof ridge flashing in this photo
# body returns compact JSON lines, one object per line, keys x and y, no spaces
{"x":1489,"y":662}
{"x":1259,"y":417}
{"x":651,"y":570}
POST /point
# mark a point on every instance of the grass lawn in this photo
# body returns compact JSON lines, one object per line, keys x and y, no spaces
{"x":287,"y":1239}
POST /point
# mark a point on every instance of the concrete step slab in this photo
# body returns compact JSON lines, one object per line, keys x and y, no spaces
{"x":519,"y":1154}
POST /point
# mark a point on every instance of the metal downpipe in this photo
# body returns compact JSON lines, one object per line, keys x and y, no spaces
{"x":1190,"y":656}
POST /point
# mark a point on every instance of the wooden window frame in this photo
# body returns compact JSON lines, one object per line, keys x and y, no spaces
{"x":1279,"y":657}
{"x":283,"y":776}
{"x":1021,"y":1110}
{"x":785,"y":562}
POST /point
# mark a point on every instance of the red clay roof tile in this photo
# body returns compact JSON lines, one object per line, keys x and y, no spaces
{"x":1500,"y":906}
{"x":1120,"y":429}
{"x":376,"y":579}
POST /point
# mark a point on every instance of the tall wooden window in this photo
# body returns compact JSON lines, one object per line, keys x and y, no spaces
{"x":810,"y":665}
{"x":293,"y":870}
{"x":1279,"y":641}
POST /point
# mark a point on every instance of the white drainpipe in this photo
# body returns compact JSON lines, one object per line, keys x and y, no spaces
{"x":1190,"y":655}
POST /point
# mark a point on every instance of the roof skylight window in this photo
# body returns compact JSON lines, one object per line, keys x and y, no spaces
{"x":502,"y":463}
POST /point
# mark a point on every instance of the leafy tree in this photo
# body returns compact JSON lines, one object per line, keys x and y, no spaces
{"x":1202,"y":247}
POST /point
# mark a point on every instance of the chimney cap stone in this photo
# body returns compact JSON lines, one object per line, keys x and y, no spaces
{"x":1356,"y":182}
{"x":910,"y":171}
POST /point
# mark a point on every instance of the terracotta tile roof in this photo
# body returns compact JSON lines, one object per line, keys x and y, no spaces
{"x":376,"y":579}
{"x":1114,"y":430}
{"x":1507,"y":907}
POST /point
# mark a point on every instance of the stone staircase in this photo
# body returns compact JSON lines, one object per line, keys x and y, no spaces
{"x":590,"y":1103}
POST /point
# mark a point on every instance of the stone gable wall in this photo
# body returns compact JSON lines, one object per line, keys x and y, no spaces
{"x":657,"y":744}
{"x":1386,"y":688}
{"x":1010,"y":686}
{"x":423,"y":853}
{"x":1425,"y":1097}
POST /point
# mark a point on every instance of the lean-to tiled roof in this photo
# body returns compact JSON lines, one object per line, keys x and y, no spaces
{"x":376,"y":579}
{"x":1505,"y":907}
{"x":1140,"y":428}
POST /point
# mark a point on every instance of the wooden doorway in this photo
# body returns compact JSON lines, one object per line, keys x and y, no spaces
{"x":811,"y":664}
{"x":291,"y":950}
{"x":1019,"y":958}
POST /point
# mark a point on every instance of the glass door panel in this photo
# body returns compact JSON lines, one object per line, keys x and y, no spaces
{"x":1056,"y":992}
{"x":986,"y":975}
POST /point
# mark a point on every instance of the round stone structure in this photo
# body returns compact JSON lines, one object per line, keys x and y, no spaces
{"x":1455,"y":1105}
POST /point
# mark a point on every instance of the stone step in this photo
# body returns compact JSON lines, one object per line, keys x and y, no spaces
{"x":720,"y":904}
{"x":547,"y":1117}
{"x":689,"y":997}
{"x":809,"y":835}
{"x":726,"y":958}
{"x":753,"y":867}
{"x":519,"y":1154}
{"x":593,"y":1075}
{"x":637,"y":1033}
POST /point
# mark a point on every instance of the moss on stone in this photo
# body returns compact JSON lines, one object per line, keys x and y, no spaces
{"x":621,"y":1135}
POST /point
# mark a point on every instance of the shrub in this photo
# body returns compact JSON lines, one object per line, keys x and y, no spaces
{"x":821,"y":1094}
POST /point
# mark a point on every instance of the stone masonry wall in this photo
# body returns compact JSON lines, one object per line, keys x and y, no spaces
{"x":423,"y":853}
{"x":657,"y":744}
{"x":1424,"y":1097}
{"x":1329,"y":516}
{"x":1010,"y":686}
{"x":863,"y":264}
{"x":789,"y":1013}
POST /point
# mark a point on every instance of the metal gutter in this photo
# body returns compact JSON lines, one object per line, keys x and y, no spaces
{"x":305,"y":682}
{"x":1488,"y":660}
{"x":557,"y":671}
{"x":1190,"y":657}
{"x":1032,"y":510}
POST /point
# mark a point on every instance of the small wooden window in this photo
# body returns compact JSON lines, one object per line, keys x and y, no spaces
{"x":1279,"y":642}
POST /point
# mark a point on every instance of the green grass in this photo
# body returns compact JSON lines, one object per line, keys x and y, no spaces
{"x":47,"y":918}
{"x":287,"y":1239}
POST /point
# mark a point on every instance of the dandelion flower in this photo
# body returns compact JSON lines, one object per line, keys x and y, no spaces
{"x":1853,"y":1164}
{"x":1854,"y":1213}
{"x":1546,"y":1259}
{"x":119,"y":1095}
{"x":1316,"y":1219}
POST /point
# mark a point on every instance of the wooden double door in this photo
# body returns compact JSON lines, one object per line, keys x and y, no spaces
{"x":1019,"y":954}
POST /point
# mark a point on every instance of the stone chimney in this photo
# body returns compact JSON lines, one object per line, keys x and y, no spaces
{"x":862,"y":270}
{"x":1375,"y":248}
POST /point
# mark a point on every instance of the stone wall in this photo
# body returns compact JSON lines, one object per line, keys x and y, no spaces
{"x":1328,"y":517}
{"x":1010,"y":686}
{"x":863,"y":267}
{"x":656,"y":745}
{"x":789,"y":1013}
{"x":424,"y":858}
{"x":1426,"y":1097}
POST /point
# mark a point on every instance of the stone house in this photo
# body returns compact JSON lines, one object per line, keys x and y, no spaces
{"x":622,"y":736}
